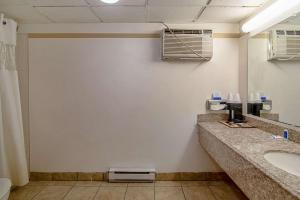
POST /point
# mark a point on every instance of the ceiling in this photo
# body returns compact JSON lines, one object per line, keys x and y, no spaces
{"x":293,"y":20}
{"x":90,"y":11}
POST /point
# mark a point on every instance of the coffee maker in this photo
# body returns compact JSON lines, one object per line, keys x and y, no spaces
{"x":235,"y":112}
{"x":235,"y":107}
{"x":254,"y":108}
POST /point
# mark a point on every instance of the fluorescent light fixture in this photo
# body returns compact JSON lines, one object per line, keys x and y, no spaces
{"x":110,"y":1}
{"x":273,"y":14}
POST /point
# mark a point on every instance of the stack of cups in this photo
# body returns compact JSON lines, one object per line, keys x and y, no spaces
{"x":254,"y":98}
{"x":234,"y":98}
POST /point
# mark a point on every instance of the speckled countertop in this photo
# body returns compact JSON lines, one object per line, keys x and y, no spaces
{"x":252,"y":144}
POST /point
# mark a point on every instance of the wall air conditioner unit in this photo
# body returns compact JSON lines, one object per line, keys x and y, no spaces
{"x":187,"y":44}
{"x":131,"y":175}
{"x":284,"y":45}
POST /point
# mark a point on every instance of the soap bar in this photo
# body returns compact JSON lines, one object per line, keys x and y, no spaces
{"x":276,"y":137}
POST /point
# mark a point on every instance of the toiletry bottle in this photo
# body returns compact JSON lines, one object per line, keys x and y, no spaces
{"x":286,"y":134}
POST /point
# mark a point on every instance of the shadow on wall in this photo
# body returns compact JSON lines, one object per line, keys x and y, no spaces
{"x":193,"y":145}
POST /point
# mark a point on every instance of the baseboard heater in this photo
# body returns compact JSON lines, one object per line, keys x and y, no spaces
{"x":131,"y":175}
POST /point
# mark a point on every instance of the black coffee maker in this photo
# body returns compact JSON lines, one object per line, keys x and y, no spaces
{"x":235,"y":112}
{"x":254,"y":108}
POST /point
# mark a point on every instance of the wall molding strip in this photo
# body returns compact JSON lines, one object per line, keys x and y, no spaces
{"x":103,"y":176}
{"x":226,"y":35}
{"x":116,"y":35}
{"x":261,"y":36}
{"x":93,"y":35}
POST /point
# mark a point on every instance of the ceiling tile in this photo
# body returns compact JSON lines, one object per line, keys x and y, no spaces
{"x":23,"y":14}
{"x":119,"y":3}
{"x":58,"y":2}
{"x":121,"y":13}
{"x":69,"y":14}
{"x":13,"y":2}
{"x":172,"y":14}
{"x":177,"y":2}
{"x":237,"y":2}
{"x":226,"y":14}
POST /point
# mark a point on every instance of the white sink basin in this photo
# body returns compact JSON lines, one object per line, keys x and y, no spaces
{"x":288,"y":162}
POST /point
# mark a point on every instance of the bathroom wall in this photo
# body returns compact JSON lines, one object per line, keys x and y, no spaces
{"x":96,"y":103}
{"x":277,"y":79}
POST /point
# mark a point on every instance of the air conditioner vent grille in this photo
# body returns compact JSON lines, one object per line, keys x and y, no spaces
{"x":284,"y":45}
{"x":187,"y":44}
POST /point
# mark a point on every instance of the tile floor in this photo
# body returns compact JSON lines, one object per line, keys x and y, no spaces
{"x":160,"y":190}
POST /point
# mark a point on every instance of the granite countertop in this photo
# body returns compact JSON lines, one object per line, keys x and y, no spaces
{"x":252,"y":144}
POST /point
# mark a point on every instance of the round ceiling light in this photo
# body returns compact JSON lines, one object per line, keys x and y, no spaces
{"x":110,"y":1}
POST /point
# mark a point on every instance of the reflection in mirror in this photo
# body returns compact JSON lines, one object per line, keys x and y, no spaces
{"x":274,"y":72}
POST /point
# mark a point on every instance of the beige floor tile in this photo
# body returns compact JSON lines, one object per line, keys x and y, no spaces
{"x":88,"y":183}
{"x":169,"y":193}
{"x":240,"y":195}
{"x":26,"y":192}
{"x":194,"y":183}
{"x":198,"y":193}
{"x":224,"y":192}
{"x":167,"y":183}
{"x":82,"y":193}
{"x":140,"y":184}
{"x":139,"y":193}
{"x":107,"y":184}
{"x":53,"y":193}
{"x":111,"y":193}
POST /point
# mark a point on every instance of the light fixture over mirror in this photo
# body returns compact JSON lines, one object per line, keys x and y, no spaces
{"x":271,"y":15}
{"x":110,"y":1}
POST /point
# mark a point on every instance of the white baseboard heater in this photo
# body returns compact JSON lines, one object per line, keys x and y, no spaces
{"x":131,"y":175}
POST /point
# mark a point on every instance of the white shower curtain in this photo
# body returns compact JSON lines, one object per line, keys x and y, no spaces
{"x":13,"y":164}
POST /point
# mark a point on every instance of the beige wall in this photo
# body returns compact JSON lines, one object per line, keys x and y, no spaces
{"x":104,"y":102}
{"x":277,"y":79}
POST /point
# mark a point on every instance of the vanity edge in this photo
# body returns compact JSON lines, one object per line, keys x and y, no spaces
{"x":270,"y":126}
{"x":255,"y":182}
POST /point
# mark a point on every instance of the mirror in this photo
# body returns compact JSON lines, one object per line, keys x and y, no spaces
{"x":274,"y":72}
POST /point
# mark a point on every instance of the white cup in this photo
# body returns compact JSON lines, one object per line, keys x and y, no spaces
{"x":216,"y":94}
{"x":237,"y":98}
{"x":257,"y":97}
{"x":230,"y":97}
